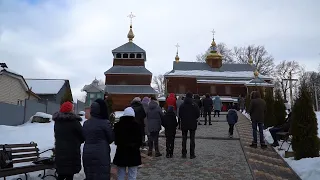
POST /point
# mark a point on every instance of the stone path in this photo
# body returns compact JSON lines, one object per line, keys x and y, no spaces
{"x":265,"y":164}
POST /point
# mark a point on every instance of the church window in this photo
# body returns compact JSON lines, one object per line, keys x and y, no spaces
{"x":139,"y":56}
{"x":118,"y":55}
{"x":132,"y":55}
{"x":213,"y":90}
{"x":125,"y":55}
{"x":228,"y":90}
{"x":182,"y":89}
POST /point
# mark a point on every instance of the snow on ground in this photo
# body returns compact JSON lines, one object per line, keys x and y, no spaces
{"x":118,"y":114}
{"x":308,"y":168}
{"x":40,"y":133}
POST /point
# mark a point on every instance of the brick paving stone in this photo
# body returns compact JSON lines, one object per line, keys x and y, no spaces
{"x":216,"y":159}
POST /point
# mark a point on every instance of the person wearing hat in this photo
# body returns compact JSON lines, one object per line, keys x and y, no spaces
{"x":140,"y":114}
{"x":68,"y":139}
{"x":128,"y":140}
{"x":189,"y":113}
{"x":98,"y":136}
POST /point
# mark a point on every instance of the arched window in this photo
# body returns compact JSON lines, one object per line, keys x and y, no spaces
{"x":125,"y":55}
{"x":118,"y":55}
{"x":132,"y":55}
{"x":139,"y":56}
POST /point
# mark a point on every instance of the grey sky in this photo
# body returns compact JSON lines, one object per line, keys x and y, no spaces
{"x":55,"y":39}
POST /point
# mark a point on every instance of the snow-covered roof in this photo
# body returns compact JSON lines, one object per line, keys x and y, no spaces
{"x":10,"y":71}
{"x":205,"y":81}
{"x":130,"y":89}
{"x":45,"y":86}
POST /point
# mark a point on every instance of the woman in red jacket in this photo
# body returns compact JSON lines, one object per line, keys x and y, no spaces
{"x":171,"y":101}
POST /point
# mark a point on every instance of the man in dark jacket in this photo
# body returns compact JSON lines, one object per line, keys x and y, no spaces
{"x":189,"y":113}
{"x":232,"y":119}
{"x":257,"y":109}
{"x":281,"y":128}
{"x":170,"y":124}
{"x":197,"y":101}
{"x":140,"y":114}
{"x":207,"y":107}
{"x":68,"y":139}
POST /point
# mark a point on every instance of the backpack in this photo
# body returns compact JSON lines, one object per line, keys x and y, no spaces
{"x":5,"y":158}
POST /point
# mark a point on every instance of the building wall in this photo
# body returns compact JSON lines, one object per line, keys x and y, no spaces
{"x":92,"y":96}
{"x":181,"y":85}
{"x":12,"y":90}
{"x":121,"y":101}
{"x":128,"y":62}
{"x":11,"y":115}
{"x":128,"y":79}
{"x":222,"y":89}
{"x":56,"y":98}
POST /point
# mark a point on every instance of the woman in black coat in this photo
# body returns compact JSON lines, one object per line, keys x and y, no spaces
{"x":98,"y":136}
{"x":170,"y":124}
{"x":128,"y":140}
{"x":68,"y":139}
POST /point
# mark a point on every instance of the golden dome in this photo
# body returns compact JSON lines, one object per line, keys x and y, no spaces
{"x":177,"y":58}
{"x":214,"y":54}
{"x":250,"y":60}
{"x":256,"y":73}
{"x":130,"y":34}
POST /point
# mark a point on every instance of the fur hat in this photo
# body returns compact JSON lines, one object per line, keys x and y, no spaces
{"x":129,"y":112}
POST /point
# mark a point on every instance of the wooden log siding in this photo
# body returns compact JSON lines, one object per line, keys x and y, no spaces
{"x":178,"y":84}
{"x":121,"y":101}
{"x":128,"y":79}
{"x":128,"y":62}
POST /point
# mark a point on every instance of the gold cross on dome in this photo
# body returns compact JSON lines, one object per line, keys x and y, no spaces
{"x":177,"y":46}
{"x":213,"y":32}
{"x":131,"y":16}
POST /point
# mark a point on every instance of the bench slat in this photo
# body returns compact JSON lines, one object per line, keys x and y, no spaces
{"x":17,"y":156}
{"x":19,"y":145}
{"x":23,"y":169}
{"x":24,"y":150}
{"x":15,"y":161}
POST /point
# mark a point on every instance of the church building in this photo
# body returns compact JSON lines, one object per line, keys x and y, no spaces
{"x":214,"y":77}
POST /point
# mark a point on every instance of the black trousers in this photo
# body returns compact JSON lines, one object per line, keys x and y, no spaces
{"x":216,"y":112}
{"x":192,"y":142}
{"x":170,"y":142}
{"x":65,"y":177}
{"x":231,"y":127}
{"x":207,"y":113}
{"x":179,"y":123}
{"x":153,"y":139}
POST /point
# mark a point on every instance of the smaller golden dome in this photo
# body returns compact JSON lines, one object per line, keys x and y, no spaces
{"x":250,"y":60}
{"x":177,"y":58}
{"x":256,"y":73}
{"x":130,"y":34}
{"x":213,"y":43}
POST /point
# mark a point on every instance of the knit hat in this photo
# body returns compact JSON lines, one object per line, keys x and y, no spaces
{"x":189,"y":95}
{"x":146,"y":100}
{"x":136,"y":99}
{"x":129,"y":112}
{"x":66,"y":107}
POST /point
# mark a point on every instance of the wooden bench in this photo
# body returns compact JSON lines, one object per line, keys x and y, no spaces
{"x":286,"y":137}
{"x":25,"y":153}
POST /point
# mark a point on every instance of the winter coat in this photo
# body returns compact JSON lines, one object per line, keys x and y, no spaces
{"x":68,"y":139}
{"x":207,"y":104}
{"x":170,"y":123}
{"x":232,"y":116}
{"x":189,"y":113}
{"x":128,"y":141}
{"x":140,"y":114}
{"x":171,"y":101}
{"x":217,"y":103}
{"x":241,"y":102}
{"x":145,"y":120}
{"x":257,"y":109}
{"x":198,"y":102}
{"x":179,"y":102}
{"x":154,"y":116}
{"x":286,"y":126}
{"x":96,"y":152}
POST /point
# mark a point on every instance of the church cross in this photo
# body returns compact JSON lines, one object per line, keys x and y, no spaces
{"x":213,"y":32}
{"x":177,"y":46}
{"x":131,"y":16}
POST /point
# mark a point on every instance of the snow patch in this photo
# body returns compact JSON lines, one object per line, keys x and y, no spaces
{"x":118,"y":114}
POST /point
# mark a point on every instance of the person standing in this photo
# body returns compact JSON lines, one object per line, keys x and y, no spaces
{"x":128,"y":140}
{"x":217,"y":104}
{"x":179,"y":102}
{"x":257,"y":109}
{"x":189,"y":113}
{"x":98,"y":136}
{"x":154,"y":117}
{"x":207,"y":108}
{"x":202,"y":106}
{"x":139,"y":114}
{"x":197,"y":101}
{"x":170,"y":124}
{"x":68,"y":139}
{"x":241,"y":102}
{"x":232,"y":119}
{"x":172,"y":101}
{"x":145,"y":103}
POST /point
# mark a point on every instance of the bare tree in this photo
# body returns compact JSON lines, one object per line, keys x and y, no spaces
{"x":286,"y":70}
{"x":222,"y":49}
{"x":262,"y":60}
{"x":159,"y":83}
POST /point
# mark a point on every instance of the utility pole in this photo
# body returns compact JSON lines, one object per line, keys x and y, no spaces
{"x":290,"y":86}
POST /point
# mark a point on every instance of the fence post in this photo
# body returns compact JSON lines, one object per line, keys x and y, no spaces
{"x":24,"y":111}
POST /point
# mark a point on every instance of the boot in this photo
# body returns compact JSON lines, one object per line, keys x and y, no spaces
{"x":184,"y":156}
{"x":149,"y":153}
{"x":253,"y":145}
{"x":264,"y":146}
{"x":168,"y":155}
{"x":192,"y":156}
{"x":158,"y":154}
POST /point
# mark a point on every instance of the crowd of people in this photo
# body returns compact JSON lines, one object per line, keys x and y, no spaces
{"x":142,"y":118}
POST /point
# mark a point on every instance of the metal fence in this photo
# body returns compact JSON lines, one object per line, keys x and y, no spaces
{"x":13,"y":115}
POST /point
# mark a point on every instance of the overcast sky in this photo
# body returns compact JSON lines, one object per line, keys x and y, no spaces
{"x":73,"y":39}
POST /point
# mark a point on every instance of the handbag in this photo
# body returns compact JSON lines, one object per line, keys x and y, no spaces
{"x":6,"y":158}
